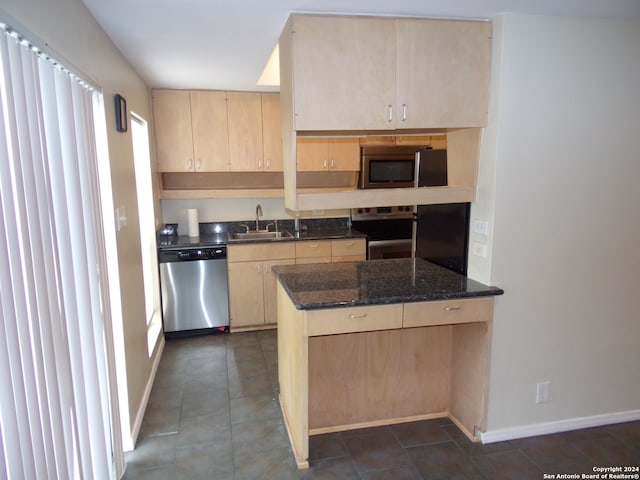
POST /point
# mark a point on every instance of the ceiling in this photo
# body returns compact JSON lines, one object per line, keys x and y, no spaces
{"x":224,"y":44}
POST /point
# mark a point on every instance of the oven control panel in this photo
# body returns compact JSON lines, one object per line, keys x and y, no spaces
{"x":379,"y":213}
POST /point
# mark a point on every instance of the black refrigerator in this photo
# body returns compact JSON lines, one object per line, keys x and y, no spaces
{"x":441,"y":232}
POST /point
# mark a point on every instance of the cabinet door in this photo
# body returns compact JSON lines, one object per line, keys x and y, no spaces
{"x":312,"y":154}
{"x":270,"y":290}
{"x":172,"y":125}
{"x":344,"y":71}
{"x":271,"y":132}
{"x":246,"y":300}
{"x":313,"y":251}
{"x":344,"y":154}
{"x":244,"y":113}
{"x":210,"y":134}
{"x":348,"y":250}
{"x":443,"y":73}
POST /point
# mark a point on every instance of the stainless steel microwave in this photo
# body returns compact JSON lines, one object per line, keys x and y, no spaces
{"x":388,"y":167}
{"x":402,"y":166}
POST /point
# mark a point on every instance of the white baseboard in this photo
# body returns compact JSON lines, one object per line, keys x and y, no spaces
{"x":547,"y":428}
{"x":135,"y":428}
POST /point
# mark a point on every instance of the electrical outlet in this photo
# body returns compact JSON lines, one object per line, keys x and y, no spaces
{"x":542,"y":392}
{"x":481,"y":227}
{"x":479,"y":249}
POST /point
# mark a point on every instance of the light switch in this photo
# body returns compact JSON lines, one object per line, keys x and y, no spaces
{"x":481,"y":227}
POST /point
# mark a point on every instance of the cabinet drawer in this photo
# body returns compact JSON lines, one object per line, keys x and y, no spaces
{"x":341,"y":248}
{"x":446,"y":312}
{"x":354,"y":319}
{"x":260,"y":251}
{"x":309,"y":249}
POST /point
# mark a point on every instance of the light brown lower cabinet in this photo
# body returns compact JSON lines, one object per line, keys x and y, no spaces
{"x":325,"y":251}
{"x":313,"y":251}
{"x":252,"y":284}
{"x":348,"y":250}
{"x":353,"y":367}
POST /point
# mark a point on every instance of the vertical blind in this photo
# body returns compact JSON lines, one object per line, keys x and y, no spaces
{"x":54,"y":397}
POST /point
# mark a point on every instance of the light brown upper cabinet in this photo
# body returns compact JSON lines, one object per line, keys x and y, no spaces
{"x":217,"y":131}
{"x":343,"y":69}
{"x":381,"y":73}
{"x":191,"y":130}
{"x":271,"y":132}
{"x":442,"y":76}
{"x":244,"y":113}
{"x":328,"y":154}
{"x":210,"y":131}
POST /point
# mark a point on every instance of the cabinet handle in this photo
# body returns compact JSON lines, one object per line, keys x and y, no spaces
{"x":189,"y":164}
{"x":198,"y":165}
{"x":313,"y":245}
{"x":351,"y":315}
{"x":332,"y":164}
{"x":259,"y":269}
{"x":259,"y":163}
{"x":324,"y":164}
{"x":390,"y":113}
{"x":404,"y":112}
{"x":267,"y":164}
{"x":452,"y":309}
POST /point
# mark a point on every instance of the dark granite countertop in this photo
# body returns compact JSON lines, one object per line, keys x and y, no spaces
{"x":374,"y":282}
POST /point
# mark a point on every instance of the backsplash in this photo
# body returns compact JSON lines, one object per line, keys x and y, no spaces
{"x":309,"y":225}
{"x":231,"y":211}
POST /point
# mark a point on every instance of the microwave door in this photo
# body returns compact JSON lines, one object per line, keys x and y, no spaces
{"x":391,"y":172}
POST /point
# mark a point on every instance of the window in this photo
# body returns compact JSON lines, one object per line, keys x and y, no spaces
{"x":144,"y":189}
{"x":56,"y":412}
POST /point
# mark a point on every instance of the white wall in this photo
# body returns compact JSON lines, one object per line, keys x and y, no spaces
{"x":560,"y":182}
{"x":71,"y":32}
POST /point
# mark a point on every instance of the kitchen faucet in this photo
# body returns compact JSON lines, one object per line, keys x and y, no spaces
{"x":258,"y":215}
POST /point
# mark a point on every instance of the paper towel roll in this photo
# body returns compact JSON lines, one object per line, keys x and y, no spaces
{"x":192,"y":220}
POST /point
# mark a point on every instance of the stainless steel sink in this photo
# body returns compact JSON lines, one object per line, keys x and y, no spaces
{"x":260,"y":235}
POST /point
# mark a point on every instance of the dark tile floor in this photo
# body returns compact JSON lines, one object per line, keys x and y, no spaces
{"x":213,"y":414}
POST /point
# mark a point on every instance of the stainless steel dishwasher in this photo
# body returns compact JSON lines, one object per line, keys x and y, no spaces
{"x":194,"y":290}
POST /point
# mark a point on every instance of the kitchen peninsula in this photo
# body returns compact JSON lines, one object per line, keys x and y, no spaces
{"x":379,"y":342}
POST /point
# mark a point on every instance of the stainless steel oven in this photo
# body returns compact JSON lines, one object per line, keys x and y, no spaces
{"x":389,"y":230}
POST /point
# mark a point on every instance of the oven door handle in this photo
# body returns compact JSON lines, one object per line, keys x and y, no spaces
{"x":390,"y":243}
